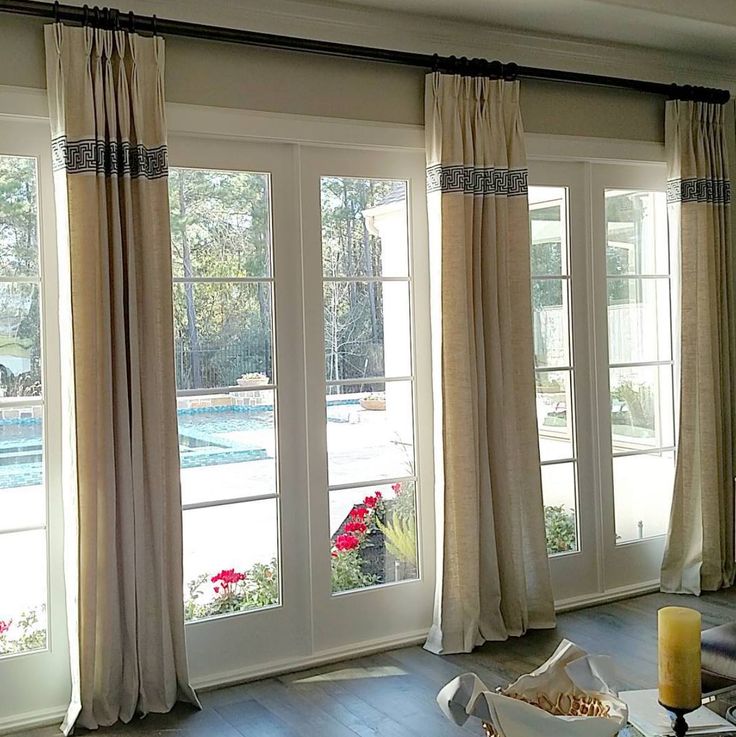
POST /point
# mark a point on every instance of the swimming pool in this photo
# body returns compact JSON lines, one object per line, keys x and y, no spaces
{"x":208,"y":436}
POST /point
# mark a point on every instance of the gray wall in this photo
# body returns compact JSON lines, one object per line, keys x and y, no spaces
{"x":227,"y":75}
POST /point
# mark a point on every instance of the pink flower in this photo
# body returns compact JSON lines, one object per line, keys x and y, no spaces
{"x":396,"y":488}
{"x":5,"y":625}
{"x":346,"y":542}
{"x":378,"y":496}
{"x":217,"y":589}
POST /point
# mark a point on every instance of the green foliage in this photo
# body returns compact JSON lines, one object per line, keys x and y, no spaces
{"x":32,"y":634}
{"x":400,"y":536}
{"x":347,"y":572}
{"x":559,"y":523}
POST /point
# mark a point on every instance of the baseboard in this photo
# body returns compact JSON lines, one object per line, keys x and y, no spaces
{"x":324,"y":657}
{"x":32,"y":719}
{"x":623,"y":592}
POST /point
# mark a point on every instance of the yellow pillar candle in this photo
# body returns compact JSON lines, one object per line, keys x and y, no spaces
{"x":679,"y":657}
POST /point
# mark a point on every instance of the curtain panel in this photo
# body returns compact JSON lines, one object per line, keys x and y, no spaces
{"x":106,"y":98}
{"x":493,"y":572}
{"x":699,"y":555}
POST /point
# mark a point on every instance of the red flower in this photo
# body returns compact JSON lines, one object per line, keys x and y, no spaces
{"x":370,"y":502}
{"x":346,"y":542}
{"x":378,"y":496}
{"x":358,"y":513}
{"x":356,"y":526}
{"x":396,"y":487}
{"x":227,"y":577}
{"x":5,"y":625}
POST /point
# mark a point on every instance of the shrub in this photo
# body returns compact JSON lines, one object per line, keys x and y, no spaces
{"x":559,"y":523}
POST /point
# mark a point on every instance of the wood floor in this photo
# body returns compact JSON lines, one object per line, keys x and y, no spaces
{"x":393,"y":694}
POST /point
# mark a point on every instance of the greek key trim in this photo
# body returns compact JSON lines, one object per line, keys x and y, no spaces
{"x":110,"y":158}
{"x":703,"y":189}
{"x":481,"y":181}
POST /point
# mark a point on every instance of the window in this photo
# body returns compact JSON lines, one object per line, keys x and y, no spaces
{"x":641,"y":365}
{"x":553,"y":361}
{"x":23,"y":539}
{"x":227,"y":393}
{"x":370,"y":383}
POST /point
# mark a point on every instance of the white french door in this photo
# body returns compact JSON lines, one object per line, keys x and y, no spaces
{"x":603,"y":291}
{"x":33,"y":638}
{"x":306,"y":474}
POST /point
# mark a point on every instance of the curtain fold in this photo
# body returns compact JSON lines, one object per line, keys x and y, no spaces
{"x":699,"y":555}
{"x":493,"y":576}
{"x":125,"y":572}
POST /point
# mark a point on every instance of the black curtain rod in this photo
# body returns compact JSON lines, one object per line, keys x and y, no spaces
{"x":112,"y":18}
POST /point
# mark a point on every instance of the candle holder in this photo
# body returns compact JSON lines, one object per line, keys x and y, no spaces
{"x":679,"y":724}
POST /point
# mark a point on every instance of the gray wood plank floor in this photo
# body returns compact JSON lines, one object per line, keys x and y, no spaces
{"x":392,"y":694}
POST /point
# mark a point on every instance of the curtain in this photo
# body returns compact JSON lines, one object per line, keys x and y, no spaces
{"x":700,"y":553}
{"x":493,"y":576}
{"x":106,"y":102}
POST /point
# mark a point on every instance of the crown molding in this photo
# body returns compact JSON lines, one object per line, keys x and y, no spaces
{"x":389,"y":29}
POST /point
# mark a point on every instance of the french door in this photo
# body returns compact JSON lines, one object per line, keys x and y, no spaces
{"x":306,"y":477}
{"x":603,"y":291}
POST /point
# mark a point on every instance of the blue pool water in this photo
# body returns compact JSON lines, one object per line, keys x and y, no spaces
{"x":208,"y":436}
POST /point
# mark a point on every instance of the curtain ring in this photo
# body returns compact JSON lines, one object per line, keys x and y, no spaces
{"x":56,"y":11}
{"x":131,"y":22}
{"x":154,"y":26}
{"x":96,"y":21}
{"x":115,"y":19}
{"x":85,"y":15}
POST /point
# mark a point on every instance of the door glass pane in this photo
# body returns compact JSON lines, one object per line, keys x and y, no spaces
{"x":18,"y":217}
{"x":359,"y":341}
{"x":373,"y":535}
{"x":23,"y":588}
{"x":22,"y":494}
{"x":370,"y":432}
{"x":20,"y":340}
{"x":639,"y":320}
{"x":227,"y":445}
{"x":560,"y":507}
{"x":636,"y":230}
{"x":642,"y":408}
{"x":230,"y":558}
{"x":222,"y":333}
{"x":364,"y":227}
{"x":550,"y":322}
{"x":548,"y":229}
{"x":643,"y":494}
{"x":554,"y":415}
{"x":220,"y":223}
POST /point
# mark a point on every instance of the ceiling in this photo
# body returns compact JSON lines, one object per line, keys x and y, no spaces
{"x":705,"y":28}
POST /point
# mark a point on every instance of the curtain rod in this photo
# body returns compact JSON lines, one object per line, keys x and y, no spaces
{"x":113,"y":18}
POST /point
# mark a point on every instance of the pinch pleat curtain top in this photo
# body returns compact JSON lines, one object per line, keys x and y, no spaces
{"x":699,"y":555}
{"x":123,"y":498}
{"x":493,"y":573}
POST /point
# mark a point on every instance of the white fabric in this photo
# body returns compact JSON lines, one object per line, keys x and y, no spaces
{"x":122,"y":460}
{"x":700,"y":548}
{"x":493,"y":572}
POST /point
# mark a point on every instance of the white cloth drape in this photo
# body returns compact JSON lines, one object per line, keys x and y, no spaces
{"x":125,"y":570}
{"x":700,"y":549}
{"x":493,"y":573}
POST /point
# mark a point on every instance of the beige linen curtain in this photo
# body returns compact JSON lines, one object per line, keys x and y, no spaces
{"x":700,"y":552}
{"x":493,"y":573}
{"x":125,"y":574}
